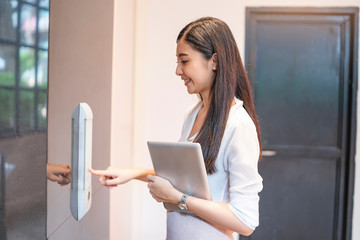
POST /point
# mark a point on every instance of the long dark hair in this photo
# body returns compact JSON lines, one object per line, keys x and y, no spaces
{"x":210,"y":35}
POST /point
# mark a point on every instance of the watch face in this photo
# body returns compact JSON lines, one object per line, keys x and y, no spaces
{"x":182,"y":206}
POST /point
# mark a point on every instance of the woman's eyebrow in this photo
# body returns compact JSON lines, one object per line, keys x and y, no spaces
{"x":182,"y":55}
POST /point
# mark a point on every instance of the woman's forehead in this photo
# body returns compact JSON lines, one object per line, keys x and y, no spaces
{"x":183,"y":49}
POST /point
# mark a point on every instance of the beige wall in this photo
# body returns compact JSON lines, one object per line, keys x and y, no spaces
{"x":80,"y":70}
{"x":122,"y":126}
{"x":160,"y":97}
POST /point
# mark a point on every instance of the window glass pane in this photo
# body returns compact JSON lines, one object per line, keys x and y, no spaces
{"x":7,"y":109}
{"x":44,"y":3}
{"x":30,"y":1}
{"x":42,"y":110}
{"x":27,"y":67}
{"x":8,"y":19}
{"x":26,"y":111}
{"x":28,"y":24}
{"x":7,"y":64}
{"x":42,"y":70}
{"x":43,"y":28}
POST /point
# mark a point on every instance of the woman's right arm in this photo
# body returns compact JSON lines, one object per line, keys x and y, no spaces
{"x":111,"y":177}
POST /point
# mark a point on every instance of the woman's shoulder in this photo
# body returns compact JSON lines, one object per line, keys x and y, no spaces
{"x":239,"y":117}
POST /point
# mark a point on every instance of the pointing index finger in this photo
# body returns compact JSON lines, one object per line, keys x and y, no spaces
{"x":98,"y":172}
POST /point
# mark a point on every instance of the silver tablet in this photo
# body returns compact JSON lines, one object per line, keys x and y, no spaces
{"x":183,"y":165}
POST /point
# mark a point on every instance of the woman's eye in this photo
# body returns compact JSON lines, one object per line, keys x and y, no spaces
{"x":182,"y":62}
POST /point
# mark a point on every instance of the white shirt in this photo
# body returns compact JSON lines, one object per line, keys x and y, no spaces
{"x":236,"y":180}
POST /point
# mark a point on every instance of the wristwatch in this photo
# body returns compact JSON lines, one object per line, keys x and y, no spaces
{"x":182,"y":203}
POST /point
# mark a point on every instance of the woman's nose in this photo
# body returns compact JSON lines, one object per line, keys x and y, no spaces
{"x":178,"y":70}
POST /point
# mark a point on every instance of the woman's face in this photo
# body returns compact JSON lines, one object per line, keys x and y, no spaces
{"x":195,"y":70}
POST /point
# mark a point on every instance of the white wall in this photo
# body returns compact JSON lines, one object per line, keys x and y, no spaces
{"x":160,"y":99}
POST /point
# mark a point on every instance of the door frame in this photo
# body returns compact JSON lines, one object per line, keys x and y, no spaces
{"x":344,"y":230}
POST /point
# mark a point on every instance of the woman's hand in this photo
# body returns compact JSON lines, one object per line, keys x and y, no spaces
{"x":111,"y":177}
{"x":58,"y":173}
{"x":162,"y":190}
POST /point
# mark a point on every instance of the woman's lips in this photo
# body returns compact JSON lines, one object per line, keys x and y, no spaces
{"x":186,"y":82}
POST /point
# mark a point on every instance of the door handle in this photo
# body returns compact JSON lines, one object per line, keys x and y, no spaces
{"x":268,"y":153}
{"x":81,"y":157}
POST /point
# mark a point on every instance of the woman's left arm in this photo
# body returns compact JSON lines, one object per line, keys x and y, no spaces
{"x":217,"y":213}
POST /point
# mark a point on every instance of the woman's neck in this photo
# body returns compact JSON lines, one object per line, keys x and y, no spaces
{"x":206,"y":101}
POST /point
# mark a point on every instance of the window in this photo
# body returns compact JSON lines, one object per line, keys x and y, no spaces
{"x":23,"y":66}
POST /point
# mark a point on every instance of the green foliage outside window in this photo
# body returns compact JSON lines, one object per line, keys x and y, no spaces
{"x":7,"y":79}
{"x":7,"y":109}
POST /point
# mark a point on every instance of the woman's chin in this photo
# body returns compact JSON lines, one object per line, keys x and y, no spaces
{"x":191,"y":90}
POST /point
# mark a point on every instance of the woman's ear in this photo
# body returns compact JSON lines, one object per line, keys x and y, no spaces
{"x":214,"y":61}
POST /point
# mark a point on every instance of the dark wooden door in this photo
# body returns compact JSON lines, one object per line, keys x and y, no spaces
{"x":302,"y":64}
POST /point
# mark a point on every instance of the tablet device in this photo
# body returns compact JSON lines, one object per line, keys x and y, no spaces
{"x":182,"y":164}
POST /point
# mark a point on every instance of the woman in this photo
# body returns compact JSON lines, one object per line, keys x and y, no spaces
{"x":225,"y":124}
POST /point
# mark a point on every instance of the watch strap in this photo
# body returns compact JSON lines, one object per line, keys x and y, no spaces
{"x":183,"y":198}
{"x":182,"y":203}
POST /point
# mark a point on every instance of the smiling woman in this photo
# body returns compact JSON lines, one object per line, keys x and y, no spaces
{"x":197,"y":72}
{"x":225,"y":124}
